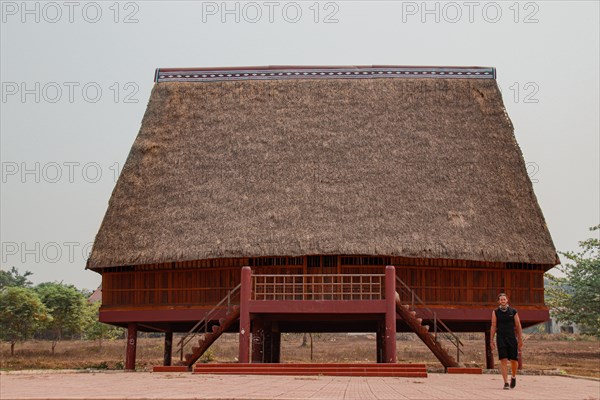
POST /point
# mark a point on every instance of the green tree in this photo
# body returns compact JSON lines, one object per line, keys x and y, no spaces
{"x":66,"y":305}
{"x":575,"y":298}
{"x":13,"y":278}
{"x":96,"y":330}
{"x":21,"y":314}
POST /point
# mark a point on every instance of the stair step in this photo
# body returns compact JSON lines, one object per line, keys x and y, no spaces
{"x":428,"y":338}
{"x":291,"y":371}
{"x":317,"y":373}
{"x":338,"y":369}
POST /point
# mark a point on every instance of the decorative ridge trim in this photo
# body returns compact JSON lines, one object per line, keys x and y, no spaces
{"x":350,"y":72}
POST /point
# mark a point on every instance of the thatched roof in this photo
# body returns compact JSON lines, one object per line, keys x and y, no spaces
{"x":403,"y":164}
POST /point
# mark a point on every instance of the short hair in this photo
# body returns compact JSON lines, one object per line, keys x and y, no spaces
{"x":501,"y":294}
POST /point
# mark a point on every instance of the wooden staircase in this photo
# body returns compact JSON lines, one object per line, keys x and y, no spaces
{"x":206,"y":337}
{"x":209,"y":338}
{"x":409,"y":315}
{"x":358,"y":369}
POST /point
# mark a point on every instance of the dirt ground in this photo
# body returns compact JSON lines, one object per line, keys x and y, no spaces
{"x":567,"y":354}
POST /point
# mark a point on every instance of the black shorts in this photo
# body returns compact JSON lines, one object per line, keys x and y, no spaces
{"x":507,"y":347}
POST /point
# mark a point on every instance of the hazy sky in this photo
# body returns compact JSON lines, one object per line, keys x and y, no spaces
{"x":76,"y":77}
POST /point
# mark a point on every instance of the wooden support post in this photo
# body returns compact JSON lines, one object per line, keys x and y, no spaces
{"x":390,"y":314}
{"x":245,"y":294}
{"x":258,"y":340}
{"x":275,"y":343}
{"x":131,"y":346}
{"x":268,"y":342}
{"x":168,"y":348}
{"x":380,"y":335}
{"x":489,"y":355}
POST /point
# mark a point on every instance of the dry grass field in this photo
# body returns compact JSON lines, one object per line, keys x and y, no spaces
{"x":542,"y":353}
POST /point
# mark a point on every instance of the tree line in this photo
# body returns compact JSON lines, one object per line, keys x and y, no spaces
{"x":575,"y":297}
{"x":57,"y":311}
{"x":50,"y":310}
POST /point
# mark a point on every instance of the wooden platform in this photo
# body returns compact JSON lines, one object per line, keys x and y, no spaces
{"x":397,"y":370}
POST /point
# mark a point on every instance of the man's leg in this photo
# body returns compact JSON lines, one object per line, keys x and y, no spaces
{"x":514,"y":365}
{"x":504,"y":369}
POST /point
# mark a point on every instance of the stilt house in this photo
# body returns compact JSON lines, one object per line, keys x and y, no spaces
{"x":321,"y":199}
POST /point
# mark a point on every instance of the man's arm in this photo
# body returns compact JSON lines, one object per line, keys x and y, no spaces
{"x":519,"y":330}
{"x":493,"y":330}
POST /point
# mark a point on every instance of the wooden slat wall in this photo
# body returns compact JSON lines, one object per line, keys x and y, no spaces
{"x":437,"y":282}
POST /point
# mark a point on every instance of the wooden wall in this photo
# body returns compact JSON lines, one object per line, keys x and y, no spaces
{"x":437,"y":282}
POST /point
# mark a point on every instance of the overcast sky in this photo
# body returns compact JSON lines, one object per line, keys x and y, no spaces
{"x":76,"y":77}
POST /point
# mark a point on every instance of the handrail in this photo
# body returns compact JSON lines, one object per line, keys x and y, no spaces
{"x":203,"y":323}
{"x":448,"y":334}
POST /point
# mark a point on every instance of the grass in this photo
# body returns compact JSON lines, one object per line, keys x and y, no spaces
{"x":576,"y":355}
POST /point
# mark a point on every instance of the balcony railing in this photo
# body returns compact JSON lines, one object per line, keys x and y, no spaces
{"x":318,"y":287}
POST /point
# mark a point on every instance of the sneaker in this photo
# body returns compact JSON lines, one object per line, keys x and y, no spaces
{"x":513,"y":382}
{"x":506,"y":386}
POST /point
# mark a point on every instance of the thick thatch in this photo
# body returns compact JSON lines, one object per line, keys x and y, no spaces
{"x":423,"y":167}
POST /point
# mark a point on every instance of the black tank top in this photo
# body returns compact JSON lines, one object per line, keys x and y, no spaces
{"x":505,"y":321}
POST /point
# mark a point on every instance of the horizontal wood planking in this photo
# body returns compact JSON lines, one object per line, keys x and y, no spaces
{"x":435,"y":281}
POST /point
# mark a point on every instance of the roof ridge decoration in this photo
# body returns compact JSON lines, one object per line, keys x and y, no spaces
{"x":325,"y":72}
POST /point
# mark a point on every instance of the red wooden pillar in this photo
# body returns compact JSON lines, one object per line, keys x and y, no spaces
{"x":380,"y":335}
{"x":168,"y":348}
{"x":489,"y":355}
{"x":245,"y":294}
{"x":390,"y":314}
{"x":131,"y":346}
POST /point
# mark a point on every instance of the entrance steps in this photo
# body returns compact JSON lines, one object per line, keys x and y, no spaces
{"x":358,"y":369}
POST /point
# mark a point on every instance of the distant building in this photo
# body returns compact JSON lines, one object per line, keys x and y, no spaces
{"x":554,"y":326}
{"x":96,"y":296}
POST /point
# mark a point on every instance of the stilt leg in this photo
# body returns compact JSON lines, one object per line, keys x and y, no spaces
{"x":489,"y":355}
{"x":131,"y":346}
{"x":168,"y":348}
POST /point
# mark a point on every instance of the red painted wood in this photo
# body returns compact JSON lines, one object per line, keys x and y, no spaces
{"x":318,"y":306}
{"x":390,"y":315}
{"x":489,"y":355}
{"x":447,"y":314}
{"x":360,"y":369}
{"x":168,"y":349}
{"x":245,"y":294}
{"x":131,"y":346}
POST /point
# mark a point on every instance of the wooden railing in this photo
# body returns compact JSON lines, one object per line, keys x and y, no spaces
{"x":232,"y":298}
{"x":426,"y":313}
{"x":318,"y":287}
